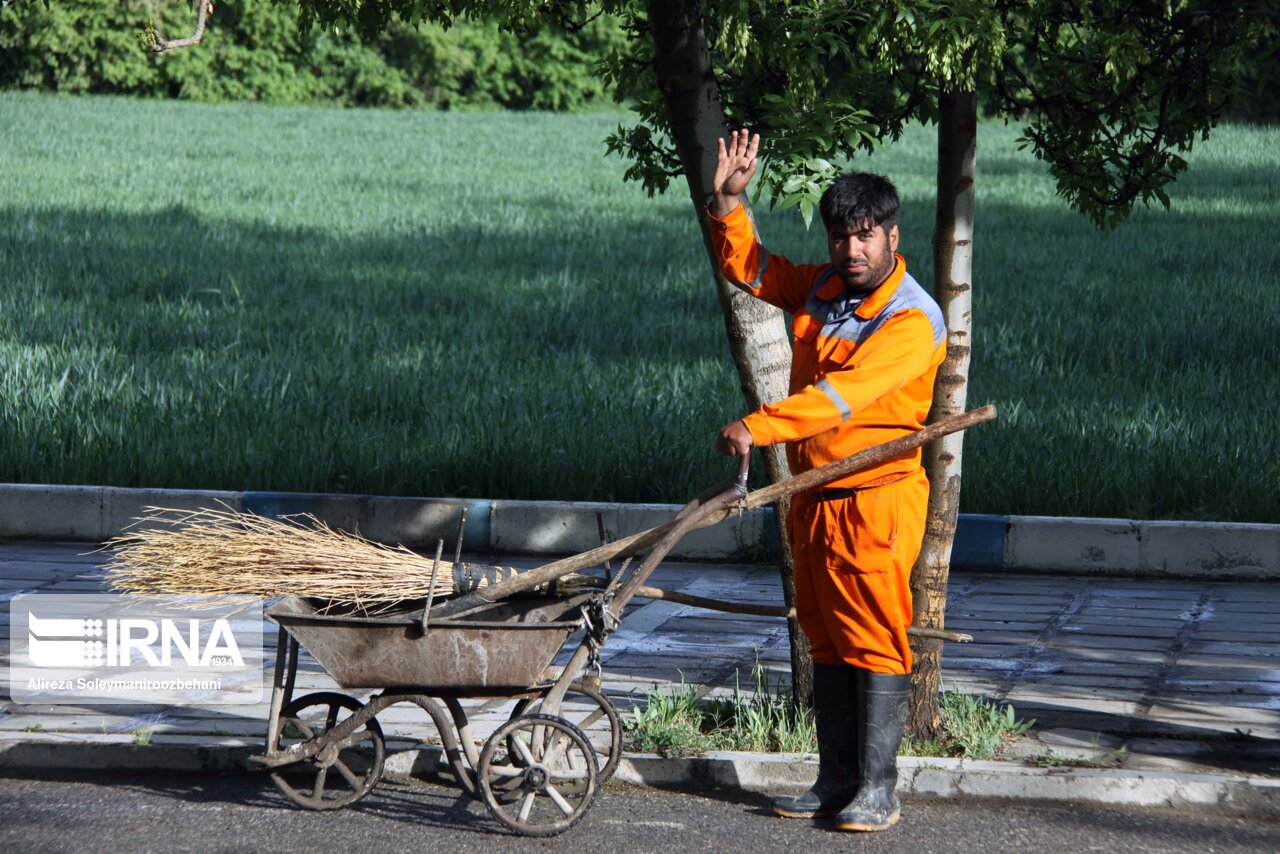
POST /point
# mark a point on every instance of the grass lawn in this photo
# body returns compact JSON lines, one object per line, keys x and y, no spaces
{"x":412,"y":303}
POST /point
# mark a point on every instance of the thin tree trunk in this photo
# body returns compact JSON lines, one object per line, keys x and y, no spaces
{"x":953,"y":267}
{"x":756,"y":331}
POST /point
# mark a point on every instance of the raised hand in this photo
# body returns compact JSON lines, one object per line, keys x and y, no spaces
{"x":735,"y":165}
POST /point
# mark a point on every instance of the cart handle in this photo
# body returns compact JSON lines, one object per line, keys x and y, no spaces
{"x":766,"y":495}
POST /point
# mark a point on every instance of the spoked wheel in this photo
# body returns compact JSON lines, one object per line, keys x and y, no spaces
{"x":538,"y":775}
{"x":341,"y":773}
{"x":590,"y":711}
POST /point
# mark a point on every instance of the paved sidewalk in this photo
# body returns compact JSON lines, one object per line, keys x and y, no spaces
{"x":1184,"y":675}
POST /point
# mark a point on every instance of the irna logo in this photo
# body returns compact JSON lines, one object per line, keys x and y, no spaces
{"x":85,"y":642}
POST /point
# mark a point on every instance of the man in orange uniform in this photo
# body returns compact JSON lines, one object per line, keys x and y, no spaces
{"x":867,"y":345}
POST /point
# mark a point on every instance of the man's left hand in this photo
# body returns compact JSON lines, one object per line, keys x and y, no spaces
{"x":734,"y":440}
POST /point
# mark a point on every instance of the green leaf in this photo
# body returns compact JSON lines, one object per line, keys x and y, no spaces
{"x":791,"y":201}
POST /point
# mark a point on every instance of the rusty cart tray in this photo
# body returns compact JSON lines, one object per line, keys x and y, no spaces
{"x":502,"y":648}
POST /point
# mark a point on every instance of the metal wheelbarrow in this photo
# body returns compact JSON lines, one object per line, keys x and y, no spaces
{"x":540,"y":771}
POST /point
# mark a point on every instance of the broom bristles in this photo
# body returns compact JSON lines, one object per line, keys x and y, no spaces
{"x":213,"y":552}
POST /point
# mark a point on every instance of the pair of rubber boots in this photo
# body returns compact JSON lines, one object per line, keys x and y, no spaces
{"x":859,"y":717}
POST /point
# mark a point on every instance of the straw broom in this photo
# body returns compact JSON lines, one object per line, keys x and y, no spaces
{"x":211,"y":552}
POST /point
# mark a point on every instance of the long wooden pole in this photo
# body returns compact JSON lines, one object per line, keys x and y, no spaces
{"x":646,"y":592}
{"x":812,"y":479}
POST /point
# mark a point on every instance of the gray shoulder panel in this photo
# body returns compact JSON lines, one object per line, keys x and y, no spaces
{"x":821,"y":281}
{"x":839,"y":320}
{"x":910,"y":295}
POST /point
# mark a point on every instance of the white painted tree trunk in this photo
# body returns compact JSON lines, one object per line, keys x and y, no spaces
{"x":953,"y":274}
{"x":757,"y":332}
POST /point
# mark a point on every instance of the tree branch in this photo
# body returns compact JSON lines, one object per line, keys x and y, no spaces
{"x":159,"y":44}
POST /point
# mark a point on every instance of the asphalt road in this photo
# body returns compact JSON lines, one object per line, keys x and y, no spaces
{"x":115,"y":813}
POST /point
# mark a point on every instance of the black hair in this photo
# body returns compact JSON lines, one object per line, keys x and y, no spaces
{"x":856,"y":198}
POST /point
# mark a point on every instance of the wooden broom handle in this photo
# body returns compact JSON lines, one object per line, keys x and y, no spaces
{"x":810,"y":480}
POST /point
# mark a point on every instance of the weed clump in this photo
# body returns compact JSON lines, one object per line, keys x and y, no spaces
{"x":766,"y":720}
{"x":973,"y":727}
{"x":681,"y":723}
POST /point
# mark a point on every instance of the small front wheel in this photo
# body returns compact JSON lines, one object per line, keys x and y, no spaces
{"x":590,"y":711}
{"x":538,"y":775}
{"x":342,"y":772}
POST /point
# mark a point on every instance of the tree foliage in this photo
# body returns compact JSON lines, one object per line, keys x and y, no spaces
{"x":1117,"y":91}
{"x":257,"y":51}
{"x":1110,"y":93}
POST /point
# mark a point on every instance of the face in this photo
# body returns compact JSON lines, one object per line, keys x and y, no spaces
{"x":862,"y":254}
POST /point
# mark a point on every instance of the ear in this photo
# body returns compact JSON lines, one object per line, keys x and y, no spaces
{"x":893,"y":238}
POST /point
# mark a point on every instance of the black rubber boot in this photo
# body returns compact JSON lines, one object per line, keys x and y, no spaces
{"x":834,"y":716}
{"x":883,"y":701}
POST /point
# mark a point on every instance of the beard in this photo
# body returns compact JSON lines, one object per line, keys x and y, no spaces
{"x":870,"y":278}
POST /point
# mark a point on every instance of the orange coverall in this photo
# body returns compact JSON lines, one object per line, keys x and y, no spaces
{"x":862,"y":373}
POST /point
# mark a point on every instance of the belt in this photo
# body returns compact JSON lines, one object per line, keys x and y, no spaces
{"x":833,"y":494}
{"x":850,"y":491}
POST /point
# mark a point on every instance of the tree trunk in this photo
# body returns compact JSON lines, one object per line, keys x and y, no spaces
{"x":756,"y":331}
{"x":953,"y":268}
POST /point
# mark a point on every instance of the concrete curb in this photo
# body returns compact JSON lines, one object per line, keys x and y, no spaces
{"x":990,"y":543}
{"x":1251,"y":797}
{"x":97,"y":513}
{"x":56,"y":752}
{"x":961,"y":778}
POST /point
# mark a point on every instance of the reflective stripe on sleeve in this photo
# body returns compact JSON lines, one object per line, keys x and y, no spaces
{"x":834,"y":396}
{"x":754,"y":285}
{"x":764,"y":265}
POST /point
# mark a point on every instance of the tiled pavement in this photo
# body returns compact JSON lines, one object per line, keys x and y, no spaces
{"x":1184,"y":674}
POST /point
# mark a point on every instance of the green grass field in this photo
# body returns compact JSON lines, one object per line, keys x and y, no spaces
{"x":416,"y":303}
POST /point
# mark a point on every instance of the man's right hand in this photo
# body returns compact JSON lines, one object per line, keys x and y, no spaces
{"x":735,"y":165}
{"x":734,"y":440}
